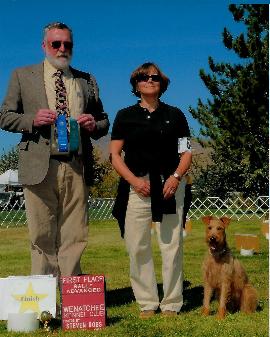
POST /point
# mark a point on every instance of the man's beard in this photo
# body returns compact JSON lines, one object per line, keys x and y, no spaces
{"x":59,"y":62}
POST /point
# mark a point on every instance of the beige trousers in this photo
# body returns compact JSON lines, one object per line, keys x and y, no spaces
{"x":57,"y":217}
{"x":138,"y":243}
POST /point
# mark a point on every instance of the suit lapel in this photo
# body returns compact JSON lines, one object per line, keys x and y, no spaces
{"x":39,"y":85}
{"x":83,"y":83}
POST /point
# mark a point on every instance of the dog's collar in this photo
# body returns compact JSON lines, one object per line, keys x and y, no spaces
{"x":219,"y":253}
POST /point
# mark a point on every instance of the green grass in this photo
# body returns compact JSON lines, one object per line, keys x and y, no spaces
{"x":106,"y":254}
{"x":12,"y":218}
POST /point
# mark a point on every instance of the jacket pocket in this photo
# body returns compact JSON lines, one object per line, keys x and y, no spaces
{"x":23,"y":146}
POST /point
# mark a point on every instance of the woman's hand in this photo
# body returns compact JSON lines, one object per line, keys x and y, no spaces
{"x":142,"y":187}
{"x":170,"y":187}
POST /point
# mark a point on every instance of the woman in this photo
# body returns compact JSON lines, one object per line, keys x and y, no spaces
{"x":151,"y":188}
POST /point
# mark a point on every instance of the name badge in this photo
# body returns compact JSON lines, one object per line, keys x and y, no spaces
{"x":62,"y":133}
{"x":184,"y":145}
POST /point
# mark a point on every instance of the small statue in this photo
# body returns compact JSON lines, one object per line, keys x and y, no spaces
{"x":45,"y":318}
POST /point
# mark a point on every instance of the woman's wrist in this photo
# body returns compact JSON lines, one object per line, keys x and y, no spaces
{"x":177,"y":176}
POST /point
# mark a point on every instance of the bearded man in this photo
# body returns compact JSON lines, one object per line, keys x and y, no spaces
{"x":57,"y":110}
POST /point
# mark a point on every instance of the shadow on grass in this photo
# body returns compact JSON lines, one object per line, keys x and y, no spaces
{"x":193,"y":297}
{"x":113,"y":320}
{"x":117,"y":297}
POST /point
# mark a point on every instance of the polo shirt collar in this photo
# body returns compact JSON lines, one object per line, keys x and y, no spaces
{"x":159,"y":105}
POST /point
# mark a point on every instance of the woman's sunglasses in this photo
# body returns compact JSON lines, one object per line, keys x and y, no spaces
{"x":57,"y":44}
{"x":146,"y":77}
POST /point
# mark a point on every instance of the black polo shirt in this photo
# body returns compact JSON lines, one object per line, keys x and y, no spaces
{"x":150,"y":139}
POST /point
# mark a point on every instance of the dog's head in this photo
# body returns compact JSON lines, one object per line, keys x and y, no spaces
{"x":215,"y":232}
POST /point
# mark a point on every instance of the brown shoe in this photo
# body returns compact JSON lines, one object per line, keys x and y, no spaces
{"x":169,"y":313}
{"x":147,"y":314}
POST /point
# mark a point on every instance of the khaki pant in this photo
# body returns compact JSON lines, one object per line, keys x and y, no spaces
{"x":138,"y":243}
{"x":57,"y":217}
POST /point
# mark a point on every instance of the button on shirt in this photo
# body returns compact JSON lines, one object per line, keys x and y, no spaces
{"x":74,"y":97}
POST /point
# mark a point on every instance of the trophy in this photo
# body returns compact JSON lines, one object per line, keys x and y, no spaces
{"x":45,"y":318}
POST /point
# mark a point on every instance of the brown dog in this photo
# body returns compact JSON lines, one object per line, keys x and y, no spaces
{"x":224,"y":273}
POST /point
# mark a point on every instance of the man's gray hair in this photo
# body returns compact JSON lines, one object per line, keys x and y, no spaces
{"x":57,"y":25}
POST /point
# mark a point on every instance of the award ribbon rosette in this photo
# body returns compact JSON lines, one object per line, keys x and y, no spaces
{"x":73,"y":135}
{"x":68,"y":140}
{"x":62,"y":133}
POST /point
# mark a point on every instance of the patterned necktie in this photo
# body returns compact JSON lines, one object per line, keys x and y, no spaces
{"x":61,"y":103}
{"x":61,"y":131}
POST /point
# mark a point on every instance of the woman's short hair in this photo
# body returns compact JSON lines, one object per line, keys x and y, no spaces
{"x":144,"y":69}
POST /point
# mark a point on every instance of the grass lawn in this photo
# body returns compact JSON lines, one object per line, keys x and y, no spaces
{"x":106,"y":255}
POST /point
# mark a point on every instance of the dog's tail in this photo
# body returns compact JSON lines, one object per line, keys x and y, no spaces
{"x":249,"y":299}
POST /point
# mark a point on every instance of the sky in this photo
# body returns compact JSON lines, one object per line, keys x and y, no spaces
{"x":113,"y":37}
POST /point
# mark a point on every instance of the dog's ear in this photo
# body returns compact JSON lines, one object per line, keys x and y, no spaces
{"x":225,"y":221}
{"x":207,"y":219}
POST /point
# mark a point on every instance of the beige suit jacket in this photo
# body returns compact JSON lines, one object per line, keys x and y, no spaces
{"x":25,"y":96}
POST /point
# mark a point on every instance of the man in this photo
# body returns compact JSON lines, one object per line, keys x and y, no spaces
{"x":54,"y":172}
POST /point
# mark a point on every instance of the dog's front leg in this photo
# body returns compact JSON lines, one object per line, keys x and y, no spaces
{"x":224,"y":295}
{"x":208,"y":290}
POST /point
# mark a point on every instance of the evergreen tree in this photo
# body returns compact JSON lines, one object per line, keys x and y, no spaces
{"x":9,"y":161}
{"x":105,"y":178}
{"x":235,"y":119}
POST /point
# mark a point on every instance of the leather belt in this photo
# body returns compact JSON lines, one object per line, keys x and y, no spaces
{"x":65,"y":158}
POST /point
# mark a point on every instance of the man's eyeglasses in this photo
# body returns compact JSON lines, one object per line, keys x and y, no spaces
{"x":57,"y":44}
{"x":146,"y":77}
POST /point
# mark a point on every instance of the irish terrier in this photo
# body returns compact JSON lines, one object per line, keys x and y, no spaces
{"x":224,"y":274}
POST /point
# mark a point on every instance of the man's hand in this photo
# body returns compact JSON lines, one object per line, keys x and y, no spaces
{"x":87,"y":122}
{"x":44,"y":117}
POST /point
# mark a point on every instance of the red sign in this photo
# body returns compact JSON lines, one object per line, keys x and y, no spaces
{"x":83,"y":302}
